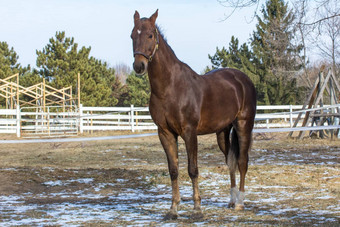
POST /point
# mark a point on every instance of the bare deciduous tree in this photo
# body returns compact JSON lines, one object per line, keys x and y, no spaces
{"x":122,"y":71}
{"x":317,"y":24}
{"x":303,"y":33}
{"x":328,"y":40}
{"x":238,"y":4}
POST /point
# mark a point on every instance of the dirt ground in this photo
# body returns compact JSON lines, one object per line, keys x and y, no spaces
{"x":126,"y":182}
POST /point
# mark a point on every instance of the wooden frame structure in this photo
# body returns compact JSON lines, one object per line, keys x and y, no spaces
{"x":323,"y":85}
{"x":10,"y":90}
{"x":40,"y":94}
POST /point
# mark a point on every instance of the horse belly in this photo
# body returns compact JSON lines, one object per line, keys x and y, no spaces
{"x":215,"y":121}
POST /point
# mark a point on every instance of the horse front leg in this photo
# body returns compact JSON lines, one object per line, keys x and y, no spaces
{"x":190,"y":139}
{"x":169,"y":143}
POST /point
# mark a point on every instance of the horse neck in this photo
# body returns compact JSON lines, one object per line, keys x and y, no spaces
{"x":163,"y":70}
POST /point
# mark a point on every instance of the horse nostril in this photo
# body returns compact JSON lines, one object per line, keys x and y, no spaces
{"x":139,"y":67}
{"x":136,"y":67}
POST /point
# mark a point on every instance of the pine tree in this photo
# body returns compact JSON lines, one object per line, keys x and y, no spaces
{"x":277,"y":60}
{"x":9,"y":66}
{"x":138,"y":90}
{"x":240,"y":58}
{"x":61,"y":61}
{"x":227,"y":58}
{"x":272,"y":60}
{"x":9,"y":62}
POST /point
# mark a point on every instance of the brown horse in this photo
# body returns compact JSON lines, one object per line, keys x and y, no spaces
{"x":185,"y":104}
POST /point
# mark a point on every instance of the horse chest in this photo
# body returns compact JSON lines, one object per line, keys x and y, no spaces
{"x":167,"y":115}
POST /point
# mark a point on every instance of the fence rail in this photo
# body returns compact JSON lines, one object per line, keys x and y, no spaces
{"x":10,"y":121}
{"x":56,"y":122}
{"x":115,"y":118}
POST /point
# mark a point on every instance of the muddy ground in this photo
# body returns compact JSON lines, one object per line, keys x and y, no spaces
{"x":126,"y":182}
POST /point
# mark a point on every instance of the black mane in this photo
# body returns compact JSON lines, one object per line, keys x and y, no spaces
{"x":161,"y":33}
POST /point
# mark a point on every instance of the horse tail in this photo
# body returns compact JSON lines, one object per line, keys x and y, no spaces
{"x":234,"y":152}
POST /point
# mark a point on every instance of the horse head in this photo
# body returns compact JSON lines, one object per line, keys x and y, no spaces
{"x":145,"y":39}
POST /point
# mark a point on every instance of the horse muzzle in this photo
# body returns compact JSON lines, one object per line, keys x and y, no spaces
{"x":140,"y":65}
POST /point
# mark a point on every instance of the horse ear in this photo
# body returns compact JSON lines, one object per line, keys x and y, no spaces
{"x":154,"y":17}
{"x":136,"y":16}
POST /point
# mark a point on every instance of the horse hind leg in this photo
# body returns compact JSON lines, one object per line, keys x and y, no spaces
{"x":243,"y":134}
{"x":230,"y":158}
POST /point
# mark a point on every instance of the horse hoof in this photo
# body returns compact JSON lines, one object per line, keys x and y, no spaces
{"x":171,"y":215}
{"x":239,"y":207}
{"x":231,"y":205}
{"x":197,"y":215}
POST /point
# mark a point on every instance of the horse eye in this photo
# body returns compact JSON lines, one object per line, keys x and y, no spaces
{"x":150,"y":36}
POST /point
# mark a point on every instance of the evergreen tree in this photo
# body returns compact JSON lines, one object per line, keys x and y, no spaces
{"x":276,"y":56}
{"x":272,"y":61}
{"x":9,"y":66}
{"x":60,"y":58}
{"x":227,"y":58}
{"x":61,"y":61}
{"x":240,"y":58}
{"x":138,"y":91}
{"x":9,"y":62}
{"x":30,"y":78}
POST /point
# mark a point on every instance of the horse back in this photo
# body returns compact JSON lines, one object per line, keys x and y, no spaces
{"x":233,"y":82}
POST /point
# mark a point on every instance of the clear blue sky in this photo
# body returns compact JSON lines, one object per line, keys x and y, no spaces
{"x":193,"y":27}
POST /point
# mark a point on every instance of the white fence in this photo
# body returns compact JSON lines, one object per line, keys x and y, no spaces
{"x":10,"y":121}
{"x":115,"y":118}
{"x":54,"y":122}
{"x":283,"y":117}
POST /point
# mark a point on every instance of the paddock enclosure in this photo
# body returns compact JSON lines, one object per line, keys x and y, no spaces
{"x":32,"y":122}
{"x":290,"y":182}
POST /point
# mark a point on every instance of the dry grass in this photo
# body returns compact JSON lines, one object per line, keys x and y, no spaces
{"x":289,"y":182}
